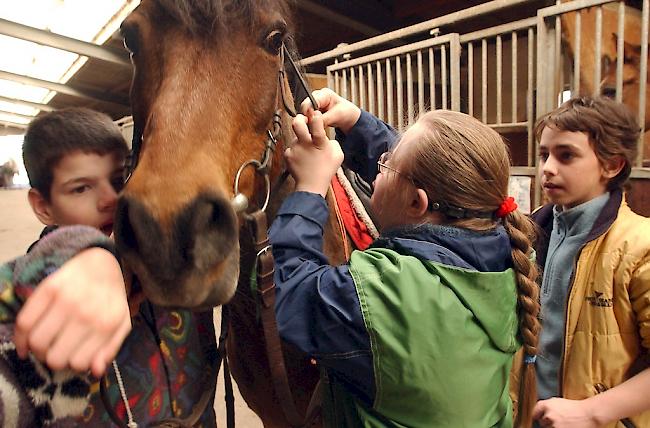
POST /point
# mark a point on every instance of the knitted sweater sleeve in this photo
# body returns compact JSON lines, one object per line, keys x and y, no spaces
{"x":31,"y":394}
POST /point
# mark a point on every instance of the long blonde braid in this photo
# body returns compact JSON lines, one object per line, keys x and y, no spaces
{"x":522,"y":233}
{"x":465,"y":163}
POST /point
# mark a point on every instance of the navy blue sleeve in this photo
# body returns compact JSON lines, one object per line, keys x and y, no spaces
{"x":366,"y":141}
{"x":317,"y":307}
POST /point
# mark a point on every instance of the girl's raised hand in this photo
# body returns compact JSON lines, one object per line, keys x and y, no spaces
{"x":337,"y":111}
{"x":314,"y":158}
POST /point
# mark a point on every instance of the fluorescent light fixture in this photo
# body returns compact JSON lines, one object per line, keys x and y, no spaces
{"x":90,"y":21}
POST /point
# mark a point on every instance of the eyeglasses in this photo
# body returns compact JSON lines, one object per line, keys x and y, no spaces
{"x":383,"y":167}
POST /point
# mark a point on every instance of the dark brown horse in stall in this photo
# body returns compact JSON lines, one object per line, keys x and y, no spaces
{"x":207,"y":84}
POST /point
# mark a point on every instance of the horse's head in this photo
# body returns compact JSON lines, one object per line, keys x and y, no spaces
{"x":204,"y":93}
{"x":631,"y":77}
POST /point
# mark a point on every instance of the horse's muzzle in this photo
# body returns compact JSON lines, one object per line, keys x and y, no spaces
{"x":184,"y":264}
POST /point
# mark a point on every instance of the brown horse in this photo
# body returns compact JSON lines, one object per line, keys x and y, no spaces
{"x":609,"y":57}
{"x":205,"y":89}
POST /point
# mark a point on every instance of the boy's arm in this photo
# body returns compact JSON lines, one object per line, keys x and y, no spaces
{"x":75,"y":311}
{"x":623,"y":401}
{"x":628,"y":399}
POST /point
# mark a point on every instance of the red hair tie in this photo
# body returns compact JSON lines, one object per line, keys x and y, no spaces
{"x":506,"y":207}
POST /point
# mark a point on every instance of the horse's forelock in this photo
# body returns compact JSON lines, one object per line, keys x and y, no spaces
{"x":205,"y":16}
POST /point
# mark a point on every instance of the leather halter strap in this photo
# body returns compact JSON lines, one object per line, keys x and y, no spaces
{"x":264,"y":265}
{"x":266,"y":295}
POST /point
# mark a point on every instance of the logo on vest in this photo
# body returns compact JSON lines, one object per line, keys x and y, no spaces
{"x":599,"y":301}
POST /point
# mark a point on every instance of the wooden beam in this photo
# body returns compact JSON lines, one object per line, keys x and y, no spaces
{"x":9,"y":124}
{"x":47,"y":38}
{"x":18,"y":115}
{"x":38,"y":106}
{"x":89,"y":93}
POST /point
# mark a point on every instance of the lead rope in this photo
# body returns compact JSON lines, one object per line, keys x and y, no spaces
{"x":125,"y":399}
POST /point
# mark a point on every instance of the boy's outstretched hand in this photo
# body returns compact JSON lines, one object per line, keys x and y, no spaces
{"x":314,"y":158}
{"x":77,"y":317}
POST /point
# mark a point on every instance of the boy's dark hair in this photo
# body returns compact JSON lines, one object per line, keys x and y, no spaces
{"x":612,"y":128}
{"x":51,"y":137}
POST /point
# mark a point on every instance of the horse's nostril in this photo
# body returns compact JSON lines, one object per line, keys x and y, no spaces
{"x":208,"y":229}
{"x":207,"y":214}
{"x":609,"y":92}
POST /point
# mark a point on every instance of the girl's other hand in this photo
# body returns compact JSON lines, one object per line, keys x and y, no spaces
{"x":313,"y":159}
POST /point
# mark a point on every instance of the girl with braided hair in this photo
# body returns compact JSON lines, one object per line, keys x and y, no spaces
{"x":420,"y":329}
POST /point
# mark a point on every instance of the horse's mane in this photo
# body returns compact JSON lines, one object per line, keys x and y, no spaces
{"x":207,"y":16}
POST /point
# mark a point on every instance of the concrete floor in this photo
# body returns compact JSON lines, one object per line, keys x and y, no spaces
{"x":19,"y":228}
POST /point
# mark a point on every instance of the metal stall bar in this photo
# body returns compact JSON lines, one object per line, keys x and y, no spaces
{"x":530,"y":114}
{"x":454,"y":59}
{"x":541,"y":105}
{"x":499,"y":79}
{"x":400,"y":93}
{"x":432,"y":80}
{"x":643,"y":72}
{"x":409,"y":89}
{"x":577,"y":53}
{"x":371,"y":91}
{"x":362,"y":94}
{"x":620,"y":55}
{"x":484,"y":85}
{"x":443,"y":75}
{"x":390,"y":92}
{"x":337,"y":78}
{"x":514,"y":76}
{"x":380,"y":93}
{"x":559,"y":68}
{"x":353,"y":87}
{"x":420,"y":79}
{"x":599,"y":49}
{"x":550,"y":93}
{"x":470,"y":79}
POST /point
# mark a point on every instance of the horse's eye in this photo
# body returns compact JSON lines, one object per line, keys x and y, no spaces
{"x":130,"y":37}
{"x":274,"y":41}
